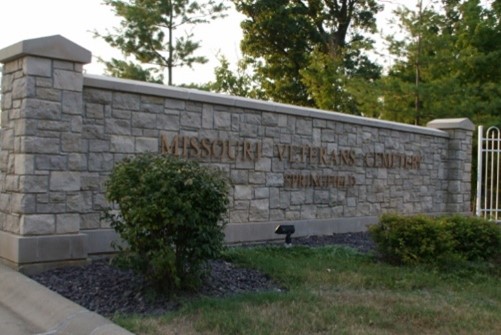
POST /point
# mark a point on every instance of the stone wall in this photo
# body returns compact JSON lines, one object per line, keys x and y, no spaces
{"x":324,"y":172}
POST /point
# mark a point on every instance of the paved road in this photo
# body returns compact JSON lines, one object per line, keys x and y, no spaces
{"x":12,"y":324}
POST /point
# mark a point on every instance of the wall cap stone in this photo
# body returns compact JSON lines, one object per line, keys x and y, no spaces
{"x":459,"y":123}
{"x":54,"y":47}
{"x":132,"y":86}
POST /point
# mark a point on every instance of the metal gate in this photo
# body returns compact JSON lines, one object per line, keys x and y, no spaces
{"x":488,"y":174}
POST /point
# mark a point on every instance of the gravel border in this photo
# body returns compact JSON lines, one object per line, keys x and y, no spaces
{"x":108,"y":290}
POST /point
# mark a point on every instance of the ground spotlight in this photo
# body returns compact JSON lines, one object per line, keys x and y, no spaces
{"x":286,"y":230}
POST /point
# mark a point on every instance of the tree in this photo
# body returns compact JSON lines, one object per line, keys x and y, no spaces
{"x":149,"y":33}
{"x":238,"y":83}
{"x":282,"y":38}
{"x":448,"y":63}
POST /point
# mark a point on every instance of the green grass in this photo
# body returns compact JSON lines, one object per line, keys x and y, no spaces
{"x":335,"y":290}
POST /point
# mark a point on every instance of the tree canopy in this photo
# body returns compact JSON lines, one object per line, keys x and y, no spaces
{"x":284,"y":41}
{"x":447,"y":66}
{"x":149,"y":32}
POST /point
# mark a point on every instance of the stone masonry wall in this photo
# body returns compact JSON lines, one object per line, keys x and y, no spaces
{"x":117,"y":124}
{"x":62,"y":133}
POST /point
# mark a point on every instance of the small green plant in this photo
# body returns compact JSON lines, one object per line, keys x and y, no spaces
{"x":426,"y":240}
{"x":411,"y":239}
{"x":170,"y":216}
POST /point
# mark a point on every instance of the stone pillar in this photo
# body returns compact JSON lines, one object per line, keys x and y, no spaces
{"x":459,"y":160}
{"x":40,"y":158}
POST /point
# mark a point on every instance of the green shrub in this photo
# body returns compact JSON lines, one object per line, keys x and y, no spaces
{"x":422,"y":239}
{"x":411,"y":239}
{"x":170,"y":216}
{"x":475,"y":238}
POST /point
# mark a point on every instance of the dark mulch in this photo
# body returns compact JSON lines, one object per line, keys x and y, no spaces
{"x":107,"y":290}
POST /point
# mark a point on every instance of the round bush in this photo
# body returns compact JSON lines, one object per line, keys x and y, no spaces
{"x":475,"y":238}
{"x":171,"y":215}
{"x":411,"y":239}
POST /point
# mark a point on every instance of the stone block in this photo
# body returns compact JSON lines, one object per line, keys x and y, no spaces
{"x":11,"y":183}
{"x":90,"y":181}
{"x":175,"y":104}
{"x":12,"y":66}
{"x":24,"y":164}
{"x":67,"y":223}
{"x":94,"y":95}
{"x":44,"y":83}
{"x":261,"y":193}
{"x":37,"y":224}
{"x":94,"y":111}
{"x":168,"y":122}
{"x":118,"y":127}
{"x":63,"y":65}
{"x":99,"y":146}
{"x":308,"y":212}
{"x":256,"y":178}
{"x":23,"y":203}
{"x":242,"y":192}
{"x":64,"y":181}
{"x":122,"y":144}
{"x":126,"y":101}
{"x":239,"y":176}
{"x":144,"y":120}
{"x":147,"y":144}
{"x":72,"y":103}
{"x":41,"y":109}
{"x":249,"y":130}
{"x":99,"y":202}
{"x":71,"y":142}
{"x":34,"y":183}
{"x":208,"y":117}
{"x":35,"y":66}
{"x":259,"y":210}
{"x":92,"y":131}
{"x":222,"y":120}
{"x":100,"y":162}
{"x":50,"y":162}
{"x":75,"y":203}
{"x":239,"y":216}
{"x":90,"y":221}
{"x":12,"y":223}
{"x":23,"y":88}
{"x":277,"y":215}
{"x":297,"y":197}
{"x":68,"y":80}
{"x":274,"y":179}
{"x":191,"y":120}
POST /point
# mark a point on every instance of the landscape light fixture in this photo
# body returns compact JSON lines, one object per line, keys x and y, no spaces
{"x":287,"y":230}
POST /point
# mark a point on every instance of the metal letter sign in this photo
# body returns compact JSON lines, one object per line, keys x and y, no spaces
{"x":488,"y":173}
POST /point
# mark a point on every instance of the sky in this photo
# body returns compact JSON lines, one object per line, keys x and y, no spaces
{"x":77,"y":19}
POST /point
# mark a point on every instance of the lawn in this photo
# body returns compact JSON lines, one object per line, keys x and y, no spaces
{"x":336,"y":290}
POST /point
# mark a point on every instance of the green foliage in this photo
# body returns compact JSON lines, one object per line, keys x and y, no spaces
{"x":424,"y":240}
{"x":129,"y":70}
{"x":475,"y":238}
{"x":171,"y":217}
{"x":444,"y":64}
{"x":412,"y":239}
{"x":239,"y":83}
{"x":149,"y":32}
{"x":280,"y":36}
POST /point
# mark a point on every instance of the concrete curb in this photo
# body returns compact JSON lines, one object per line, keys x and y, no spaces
{"x":49,"y":311}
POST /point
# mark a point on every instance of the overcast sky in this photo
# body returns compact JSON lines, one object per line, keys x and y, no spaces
{"x":76,"y":19}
